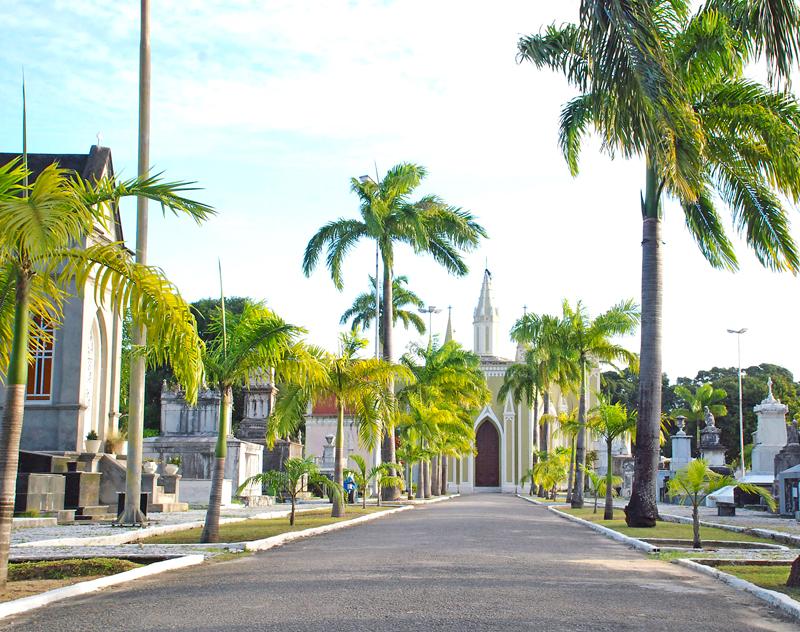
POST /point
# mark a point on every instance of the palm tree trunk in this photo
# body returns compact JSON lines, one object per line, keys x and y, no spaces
{"x":410,"y":480}
{"x":608,"y":514}
{"x":388,"y":447}
{"x":544,"y":435}
{"x":13,"y":412}
{"x":291,"y":515}
{"x":420,"y":479}
{"x":436,"y":479}
{"x":211,"y":527}
{"x":642,"y":510}
{"x":580,"y":444}
{"x":571,"y":477}
{"x":337,"y":511}
{"x":131,"y":514}
{"x":428,"y":478}
{"x":444,"y":474}
{"x":696,"y":526}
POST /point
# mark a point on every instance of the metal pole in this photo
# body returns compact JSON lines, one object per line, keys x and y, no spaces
{"x":741,"y":411}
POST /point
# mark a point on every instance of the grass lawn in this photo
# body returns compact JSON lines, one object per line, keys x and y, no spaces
{"x":662,"y":529}
{"x":31,"y":578}
{"x":770,"y":577}
{"x":248,"y":530}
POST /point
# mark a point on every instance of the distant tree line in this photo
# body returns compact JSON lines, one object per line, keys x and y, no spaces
{"x":623,"y":387}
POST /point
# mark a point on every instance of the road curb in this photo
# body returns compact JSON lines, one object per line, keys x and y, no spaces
{"x":769,"y":534}
{"x":25,"y":604}
{"x":290,"y":536}
{"x":132,"y":536}
{"x":428,"y":501}
{"x":639,"y":545}
{"x":773,"y":598}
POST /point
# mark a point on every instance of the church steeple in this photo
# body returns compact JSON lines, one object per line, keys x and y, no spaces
{"x":485,"y":319}
{"x":448,"y":334}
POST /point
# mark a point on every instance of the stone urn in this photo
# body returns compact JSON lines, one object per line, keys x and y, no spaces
{"x":170,"y":469}
{"x":93,"y":445}
{"x":149,"y":467}
{"x":121,"y":447}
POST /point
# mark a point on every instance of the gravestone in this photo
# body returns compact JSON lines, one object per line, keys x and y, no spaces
{"x":770,"y":436}
{"x":681,"y":447}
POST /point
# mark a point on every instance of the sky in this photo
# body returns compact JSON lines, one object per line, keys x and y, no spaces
{"x":272,"y":106}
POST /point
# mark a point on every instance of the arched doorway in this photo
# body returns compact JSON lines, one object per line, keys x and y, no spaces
{"x":487,"y":461}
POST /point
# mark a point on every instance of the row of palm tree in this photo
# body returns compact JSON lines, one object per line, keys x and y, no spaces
{"x":389,"y":217}
{"x":560,"y":351}
{"x":660,"y":82}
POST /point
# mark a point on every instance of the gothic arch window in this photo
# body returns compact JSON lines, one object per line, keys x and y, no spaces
{"x":40,"y":369}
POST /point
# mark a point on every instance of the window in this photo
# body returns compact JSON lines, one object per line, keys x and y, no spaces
{"x":40,"y":370}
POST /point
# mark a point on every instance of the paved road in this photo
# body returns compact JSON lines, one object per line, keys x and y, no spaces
{"x":485,"y":562}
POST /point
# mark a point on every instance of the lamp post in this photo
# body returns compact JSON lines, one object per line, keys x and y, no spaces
{"x":364,"y":180}
{"x":739,"y":333}
{"x":430,"y":310}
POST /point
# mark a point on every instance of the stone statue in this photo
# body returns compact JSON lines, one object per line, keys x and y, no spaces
{"x":709,"y":417}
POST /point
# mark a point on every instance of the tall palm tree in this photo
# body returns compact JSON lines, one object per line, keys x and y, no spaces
{"x":46,"y":255}
{"x":590,"y":343}
{"x":362,"y":311}
{"x":610,"y":421}
{"x":389,"y":217}
{"x":665,"y":85}
{"x":244,"y":345}
{"x":363,"y":386}
{"x":695,"y":404}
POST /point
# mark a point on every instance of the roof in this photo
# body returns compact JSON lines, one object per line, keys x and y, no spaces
{"x":94,"y":166}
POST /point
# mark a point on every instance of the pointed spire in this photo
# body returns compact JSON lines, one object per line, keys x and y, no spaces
{"x":448,"y":334}
{"x":485,"y":319}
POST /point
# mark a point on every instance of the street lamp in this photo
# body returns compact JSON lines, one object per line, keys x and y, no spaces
{"x":739,"y":333}
{"x":430,"y":310}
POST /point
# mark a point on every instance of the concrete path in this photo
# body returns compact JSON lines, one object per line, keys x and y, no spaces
{"x":484,"y":562}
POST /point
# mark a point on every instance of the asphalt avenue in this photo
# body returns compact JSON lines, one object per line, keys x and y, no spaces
{"x":482,"y":562}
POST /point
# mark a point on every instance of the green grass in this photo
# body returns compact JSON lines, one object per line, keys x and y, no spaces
{"x":770,"y":577}
{"x":248,"y":530}
{"x":662,"y":529}
{"x":64,"y":569}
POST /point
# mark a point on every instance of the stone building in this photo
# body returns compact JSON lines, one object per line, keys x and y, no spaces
{"x":504,"y":432}
{"x":74,"y":380}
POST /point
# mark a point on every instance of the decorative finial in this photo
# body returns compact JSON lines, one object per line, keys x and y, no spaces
{"x":680,"y":421}
{"x":99,"y":139}
{"x":769,"y":386}
{"x":709,"y":418}
{"x":524,"y":310}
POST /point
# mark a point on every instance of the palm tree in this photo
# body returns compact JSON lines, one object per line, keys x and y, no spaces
{"x":601,"y":485}
{"x":363,"y":386}
{"x":389,"y":217}
{"x":448,"y":391}
{"x":589,"y":343}
{"x":610,"y":421}
{"x":44,"y":225}
{"x":704,"y":395}
{"x":362,"y":311}
{"x":381,"y":474}
{"x":551,"y":469}
{"x":244,"y":345}
{"x":666,"y":85}
{"x":290,"y":480}
{"x":567,"y":425}
{"x":528,"y":476}
{"x":695,"y":482}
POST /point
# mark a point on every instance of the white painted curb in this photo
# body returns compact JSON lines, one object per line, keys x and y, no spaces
{"x":773,"y":598}
{"x":135,"y":535}
{"x":289,"y":536}
{"x":429,"y":501}
{"x":610,"y":533}
{"x":37,"y":601}
{"x":536,"y":501}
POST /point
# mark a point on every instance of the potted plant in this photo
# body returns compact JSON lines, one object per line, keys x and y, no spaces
{"x":149,"y":466}
{"x":117,"y":442}
{"x":92,"y":442}
{"x":172,"y":465}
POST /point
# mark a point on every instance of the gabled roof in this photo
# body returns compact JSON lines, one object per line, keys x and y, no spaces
{"x":94,"y":166}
